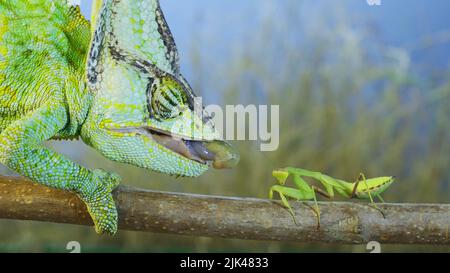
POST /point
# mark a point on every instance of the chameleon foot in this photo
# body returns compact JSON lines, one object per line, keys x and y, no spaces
{"x":100,"y":202}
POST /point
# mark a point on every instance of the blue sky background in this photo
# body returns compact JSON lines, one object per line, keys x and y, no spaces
{"x":400,"y":23}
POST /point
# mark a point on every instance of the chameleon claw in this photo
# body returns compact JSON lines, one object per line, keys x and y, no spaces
{"x":100,"y":203}
{"x":104,"y":215}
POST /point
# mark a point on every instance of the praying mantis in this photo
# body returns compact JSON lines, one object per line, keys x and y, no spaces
{"x":362,"y":189}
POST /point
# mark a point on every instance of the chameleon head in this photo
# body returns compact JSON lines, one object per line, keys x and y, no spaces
{"x":143,"y":112}
{"x":156,"y":124}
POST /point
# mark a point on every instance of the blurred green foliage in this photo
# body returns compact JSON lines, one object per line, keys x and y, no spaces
{"x":348,"y":104}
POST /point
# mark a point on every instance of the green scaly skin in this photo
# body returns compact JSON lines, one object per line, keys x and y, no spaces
{"x":117,"y":85}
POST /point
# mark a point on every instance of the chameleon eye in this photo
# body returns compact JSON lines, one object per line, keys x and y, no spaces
{"x":167,"y":99}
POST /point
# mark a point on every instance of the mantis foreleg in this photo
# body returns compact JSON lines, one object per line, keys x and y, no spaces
{"x":304,"y":192}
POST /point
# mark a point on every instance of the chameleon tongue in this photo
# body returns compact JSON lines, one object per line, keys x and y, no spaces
{"x":200,"y":150}
{"x":223,"y":155}
{"x":177,"y":145}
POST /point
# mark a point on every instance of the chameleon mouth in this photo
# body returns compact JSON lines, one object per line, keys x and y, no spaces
{"x":220,"y":154}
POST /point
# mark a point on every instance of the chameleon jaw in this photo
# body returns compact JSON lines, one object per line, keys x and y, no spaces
{"x":192,"y":149}
{"x":188,"y":148}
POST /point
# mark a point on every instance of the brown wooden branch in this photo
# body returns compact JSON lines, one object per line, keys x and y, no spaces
{"x":243,"y":218}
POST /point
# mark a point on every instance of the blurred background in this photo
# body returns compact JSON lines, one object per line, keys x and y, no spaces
{"x":361,"y":89}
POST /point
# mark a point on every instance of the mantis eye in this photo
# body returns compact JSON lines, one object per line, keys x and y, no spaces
{"x":168,"y":99}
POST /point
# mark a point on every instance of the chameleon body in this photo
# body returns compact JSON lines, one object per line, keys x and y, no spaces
{"x":116,"y":84}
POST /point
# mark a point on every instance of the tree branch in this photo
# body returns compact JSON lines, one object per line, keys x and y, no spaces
{"x":242,"y":218}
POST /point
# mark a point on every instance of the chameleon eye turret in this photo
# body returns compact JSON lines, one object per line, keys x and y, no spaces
{"x":166,"y":98}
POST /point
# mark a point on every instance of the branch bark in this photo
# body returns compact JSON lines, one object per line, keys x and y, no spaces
{"x":242,"y":218}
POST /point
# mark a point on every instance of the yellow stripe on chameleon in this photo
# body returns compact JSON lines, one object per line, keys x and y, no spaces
{"x":3,"y":30}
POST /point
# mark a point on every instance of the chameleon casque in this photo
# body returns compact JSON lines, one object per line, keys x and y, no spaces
{"x":117,"y":85}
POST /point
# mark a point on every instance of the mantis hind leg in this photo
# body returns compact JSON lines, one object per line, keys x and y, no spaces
{"x":380,"y":198}
{"x":372,"y":202}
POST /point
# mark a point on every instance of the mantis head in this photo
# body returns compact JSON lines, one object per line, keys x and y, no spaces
{"x":281,"y":176}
